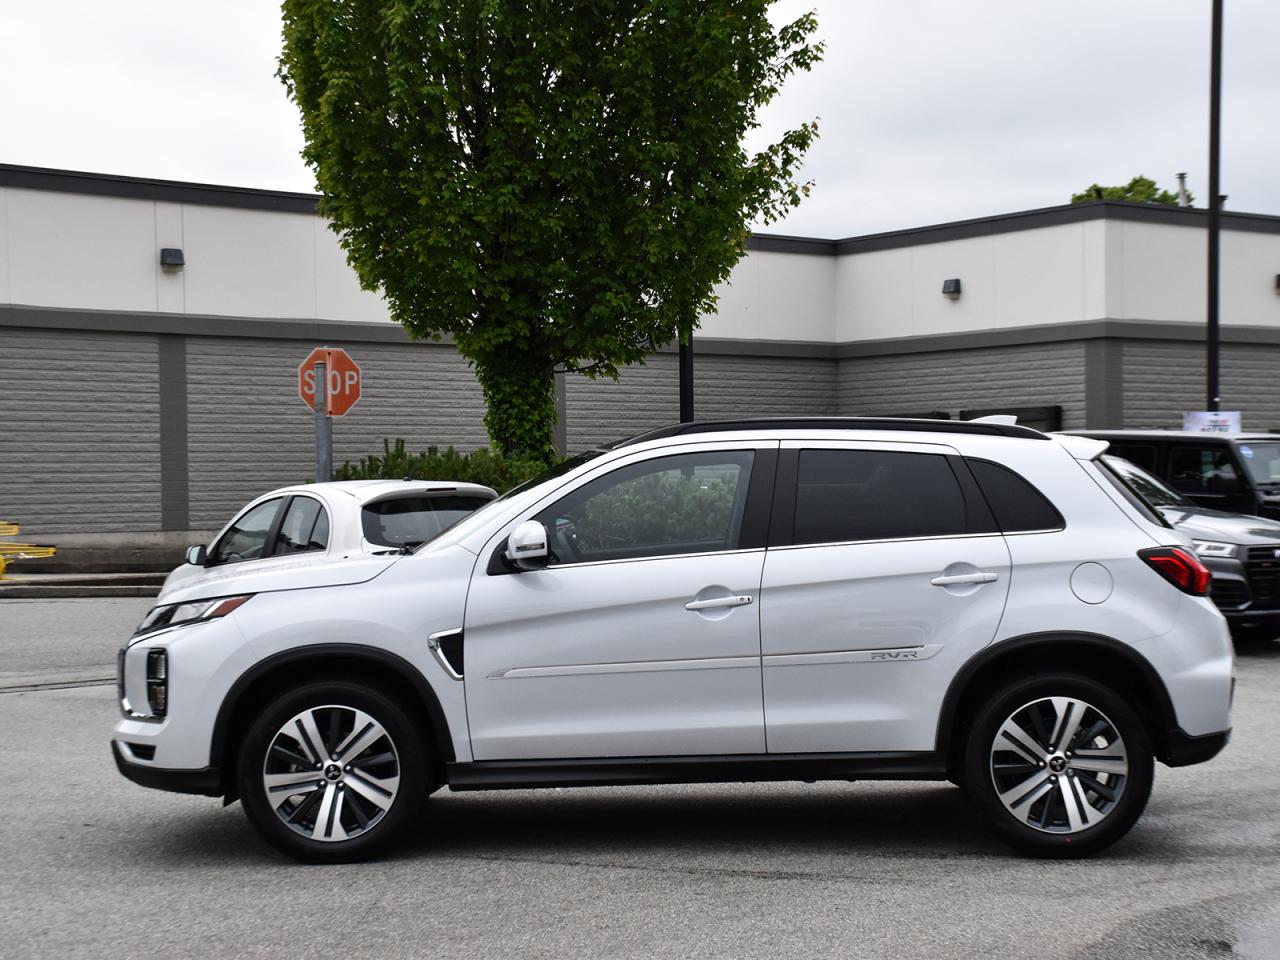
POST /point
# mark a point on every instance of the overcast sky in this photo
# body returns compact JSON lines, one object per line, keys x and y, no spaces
{"x":929,"y":110}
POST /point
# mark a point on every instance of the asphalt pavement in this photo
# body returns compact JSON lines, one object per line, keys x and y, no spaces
{"x":94,"y":866}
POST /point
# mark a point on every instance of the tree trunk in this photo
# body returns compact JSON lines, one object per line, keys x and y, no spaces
{"x":520,"y":394}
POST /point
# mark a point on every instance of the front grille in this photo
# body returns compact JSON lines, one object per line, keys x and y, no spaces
{"x":1229,"y":594}
{"x":1263,"y":570}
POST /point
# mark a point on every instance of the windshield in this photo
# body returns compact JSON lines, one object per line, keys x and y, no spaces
{"x":1262,"y":460}
{"x":1145,"y":485}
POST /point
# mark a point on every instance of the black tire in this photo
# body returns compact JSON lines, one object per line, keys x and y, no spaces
{"x":1044,"y":827}
{"x":336,"y":703}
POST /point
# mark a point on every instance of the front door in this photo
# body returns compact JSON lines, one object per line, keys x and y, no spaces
{"x":642,"y":637}
{"x":885,"y":586}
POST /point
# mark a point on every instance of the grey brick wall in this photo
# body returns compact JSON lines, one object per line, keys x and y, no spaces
{"x":79,"y":431}
{"x":724,"y":386}
{"x":248,"y":431}
{"x":763,"y":386}
{"x":600,"y":411}
{"x":1027,"y":375}
{"x":1164,"y":379}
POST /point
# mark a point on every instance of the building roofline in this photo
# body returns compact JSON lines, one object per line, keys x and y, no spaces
{"x":280,"y":201}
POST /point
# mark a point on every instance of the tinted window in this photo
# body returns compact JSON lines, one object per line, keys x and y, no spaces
{"x":1203,"y":469}
{"x":414,"y":520}
{"x":1262,"y":460}
{"x":1141,"y":454}
{"x":874,"y":495}
{"x":305,"y":527}
{"x":247,"y":537}
{"x":692,"y":503}
{"x":1018,"y":506}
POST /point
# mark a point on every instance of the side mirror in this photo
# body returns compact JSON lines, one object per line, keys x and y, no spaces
{"x":196,"y":555}
{"x":527,"y":546}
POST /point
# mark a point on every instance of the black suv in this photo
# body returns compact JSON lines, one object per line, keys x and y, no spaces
{"x":1241,"y":551}
{"x":1234,"y":472}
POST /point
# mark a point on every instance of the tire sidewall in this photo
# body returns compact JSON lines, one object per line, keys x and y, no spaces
{"x":981,"y":789}
{"x":411,"y":750}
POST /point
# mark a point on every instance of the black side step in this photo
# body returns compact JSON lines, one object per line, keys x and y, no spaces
{"x":747,"y":768}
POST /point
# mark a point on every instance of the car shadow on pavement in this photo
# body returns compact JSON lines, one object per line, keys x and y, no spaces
{"x":751,"y":820}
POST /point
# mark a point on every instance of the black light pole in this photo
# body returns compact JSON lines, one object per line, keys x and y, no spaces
{"x":1215,"y":203}
{"x":686,"y":380}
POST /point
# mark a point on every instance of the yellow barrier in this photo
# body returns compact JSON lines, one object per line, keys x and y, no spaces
{"x":10,"y":552}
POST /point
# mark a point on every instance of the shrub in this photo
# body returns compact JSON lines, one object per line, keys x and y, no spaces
{"x":485,"y":466}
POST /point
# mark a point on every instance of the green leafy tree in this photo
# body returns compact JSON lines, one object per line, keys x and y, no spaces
{"x":554,"y":184}
{"x":1138,"y":190}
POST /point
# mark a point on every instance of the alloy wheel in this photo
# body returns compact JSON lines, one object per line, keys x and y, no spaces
{"x":331,"y":773}
{"x":1059,"y":765}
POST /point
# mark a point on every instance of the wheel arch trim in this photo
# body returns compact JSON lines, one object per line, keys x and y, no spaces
{"x":1075,"y":641}
{"x":319,"y":654}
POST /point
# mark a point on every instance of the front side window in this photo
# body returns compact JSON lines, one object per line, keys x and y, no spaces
{"x":1206,"y":469}
{"x":305,"y":527}
{"x":412,"y":521}
{"x":845,"y":495}
{"x":247,"y":537}
{"x":689,"y":503}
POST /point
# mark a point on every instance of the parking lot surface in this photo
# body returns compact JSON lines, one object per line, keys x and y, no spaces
{"x":95,"y":866}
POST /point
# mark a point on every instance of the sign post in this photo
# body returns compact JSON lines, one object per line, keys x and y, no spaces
{"x":324,"y":425}
{"x":329,"y":383}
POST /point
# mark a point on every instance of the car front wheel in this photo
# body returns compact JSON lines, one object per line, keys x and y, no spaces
{"x":1059,"y":765}
{"x":332,"y":772}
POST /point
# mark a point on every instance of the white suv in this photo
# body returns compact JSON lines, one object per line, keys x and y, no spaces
{"x":736,"y":601}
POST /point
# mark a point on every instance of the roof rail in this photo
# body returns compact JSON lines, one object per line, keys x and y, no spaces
{"x":836,"y":423}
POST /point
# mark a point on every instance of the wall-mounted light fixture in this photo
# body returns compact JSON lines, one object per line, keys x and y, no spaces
{"x":1278,"y":283}
{"x":171,"y":258}
{"x":951,"y":288}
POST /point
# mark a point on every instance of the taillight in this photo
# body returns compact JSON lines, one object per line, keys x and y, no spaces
{"x":1180,"y":567}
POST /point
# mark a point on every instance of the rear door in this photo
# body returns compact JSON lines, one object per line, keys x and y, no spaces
{"x":884,"y":574}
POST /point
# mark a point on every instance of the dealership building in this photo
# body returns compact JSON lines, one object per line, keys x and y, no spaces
{"x":139,"y":396}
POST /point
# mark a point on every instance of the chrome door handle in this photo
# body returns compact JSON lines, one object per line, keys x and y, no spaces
{"x":738,"y":601}
{"x":964,"y":578}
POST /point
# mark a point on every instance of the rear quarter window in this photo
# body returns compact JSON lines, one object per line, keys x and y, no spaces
{"x":1019,"y":507}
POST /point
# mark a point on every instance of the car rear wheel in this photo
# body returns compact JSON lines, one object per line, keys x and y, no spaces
{"x":1059,"y":765}
{"x":332,"y":772}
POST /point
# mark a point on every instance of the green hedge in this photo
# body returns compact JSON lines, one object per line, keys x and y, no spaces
{"x":485,"y":466}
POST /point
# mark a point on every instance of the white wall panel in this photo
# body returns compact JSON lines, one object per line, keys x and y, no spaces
{"x":249,"y":262}
{"x":338,"y":293}
{"x":67,"y":250}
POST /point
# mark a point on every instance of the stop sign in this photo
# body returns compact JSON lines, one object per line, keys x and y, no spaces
{"x":343,"y":387}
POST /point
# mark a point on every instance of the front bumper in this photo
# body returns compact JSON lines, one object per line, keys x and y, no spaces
{"x":206,"y":781}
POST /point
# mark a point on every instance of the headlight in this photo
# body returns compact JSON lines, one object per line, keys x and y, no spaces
{"x":1213,"y":548}
{"x":197,"y":611}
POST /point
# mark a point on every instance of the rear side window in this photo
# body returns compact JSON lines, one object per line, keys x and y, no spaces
{"x":409,"y":521}
{"x":844,"y":495}
{"x":1019,"y":507}
{"x":305,"y":527}
{"x":1142,"y":454}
